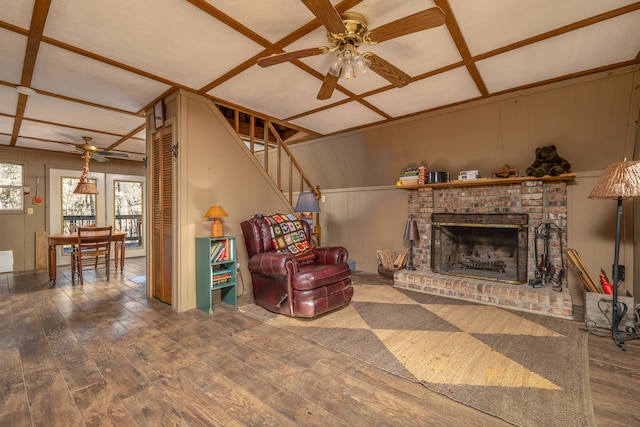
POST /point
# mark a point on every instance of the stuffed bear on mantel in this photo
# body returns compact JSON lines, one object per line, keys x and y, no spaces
{"x":548,"y":163}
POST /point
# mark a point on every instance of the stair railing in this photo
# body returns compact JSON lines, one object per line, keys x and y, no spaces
{"x":264,"y":141}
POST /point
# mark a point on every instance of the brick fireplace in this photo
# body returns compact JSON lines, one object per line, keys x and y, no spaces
{"x":532,"y":201}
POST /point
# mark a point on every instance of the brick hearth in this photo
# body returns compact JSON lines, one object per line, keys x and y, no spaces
{"x":517,"y":297}
{"x":544,"y":200}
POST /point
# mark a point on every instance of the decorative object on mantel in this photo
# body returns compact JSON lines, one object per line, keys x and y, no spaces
{"x":437,"y":177}
{"x":470,"y":174}
{"x":411,"y":234}
{"x":389,"y":262}
{"x":545,"y":274}
{"x":548,"y":162}
{"x":505,"y":172}
{"x":411,"y":176}
{"x":215,"y":213}
{"x":619,"y":181}
{"x":497,"y":181}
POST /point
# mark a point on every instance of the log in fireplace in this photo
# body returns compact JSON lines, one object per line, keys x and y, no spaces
{"x":486,"y":246}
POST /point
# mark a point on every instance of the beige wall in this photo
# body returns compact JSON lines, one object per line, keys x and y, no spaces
{"x":18,"y":230}
{"x":591,"y":120}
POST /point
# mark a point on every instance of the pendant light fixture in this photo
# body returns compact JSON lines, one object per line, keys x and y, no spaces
{"x":84,"y":186}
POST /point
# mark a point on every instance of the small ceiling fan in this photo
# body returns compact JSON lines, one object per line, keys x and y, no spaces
{"x":346,"y":33}
{"x":92,"y":152}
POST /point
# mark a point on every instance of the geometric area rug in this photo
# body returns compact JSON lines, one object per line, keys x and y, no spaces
{"x":527,"y":369}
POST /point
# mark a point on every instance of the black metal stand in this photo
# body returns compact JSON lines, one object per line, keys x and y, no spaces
{"x":618,"y":310}
{"x":545,"y":274}
{"x":410,"y":265}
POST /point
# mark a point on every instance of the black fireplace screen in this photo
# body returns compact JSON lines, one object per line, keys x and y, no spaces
{"x":486,"y":246}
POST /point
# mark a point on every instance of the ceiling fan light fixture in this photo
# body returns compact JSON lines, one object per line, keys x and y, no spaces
{"x":336,"y":65}
{"x":362,"y":64}
{"x":349,"y":63}
{"x":84,"y":185}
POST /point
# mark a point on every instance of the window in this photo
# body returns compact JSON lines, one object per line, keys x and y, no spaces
{"x":128,"y":211}
{"x":77,"y":209}
{"x":11,"y":187}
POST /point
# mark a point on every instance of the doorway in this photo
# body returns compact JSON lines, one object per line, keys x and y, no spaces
{"x":119,"y":203}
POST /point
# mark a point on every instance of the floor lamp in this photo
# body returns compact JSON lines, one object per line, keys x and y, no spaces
{"x":620,"y":181}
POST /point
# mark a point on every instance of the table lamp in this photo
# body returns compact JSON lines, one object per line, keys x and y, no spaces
{"x":619,"y":181}
{"x":215,"y":213}
{"x":307,"y":202}
{"x":411,"y":234}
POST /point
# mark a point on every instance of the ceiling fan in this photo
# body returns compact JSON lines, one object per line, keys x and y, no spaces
{"x":346,"y":33}
{"x":92,"y":152}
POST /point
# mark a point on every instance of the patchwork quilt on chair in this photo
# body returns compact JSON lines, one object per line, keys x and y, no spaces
{"x":288,"y":236}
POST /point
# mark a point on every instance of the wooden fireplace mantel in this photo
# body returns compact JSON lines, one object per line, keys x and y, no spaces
{"x":492,"y":181}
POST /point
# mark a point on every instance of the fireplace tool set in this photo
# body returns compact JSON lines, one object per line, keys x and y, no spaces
{"x":545,"y":274}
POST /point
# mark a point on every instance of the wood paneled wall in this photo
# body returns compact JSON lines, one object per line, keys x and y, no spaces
{"x":593,"y":121}
{"x":19,"y":230}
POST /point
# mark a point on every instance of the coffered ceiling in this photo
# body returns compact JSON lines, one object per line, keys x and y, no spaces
{"x":96,"y":64}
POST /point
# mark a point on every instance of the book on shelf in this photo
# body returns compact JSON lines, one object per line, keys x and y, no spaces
{"x":220,"y":279}
{"x":216,"y":250}
{"x":221,"y":271}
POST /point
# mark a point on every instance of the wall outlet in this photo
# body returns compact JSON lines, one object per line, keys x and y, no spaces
{"x":29,"y":211}
{"x":237,"y":266}
{"x":323,"y":198}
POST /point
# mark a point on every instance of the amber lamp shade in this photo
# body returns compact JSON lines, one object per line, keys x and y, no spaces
{"x":86,"y":188}
{"x":215,"y":213}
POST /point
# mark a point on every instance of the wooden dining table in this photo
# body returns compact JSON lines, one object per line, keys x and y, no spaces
{"x":118,"y":237}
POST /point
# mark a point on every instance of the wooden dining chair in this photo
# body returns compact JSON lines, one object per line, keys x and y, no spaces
{"x":93,"y":248}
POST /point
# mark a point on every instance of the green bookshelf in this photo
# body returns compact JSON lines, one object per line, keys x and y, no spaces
{"x":215,"y":270}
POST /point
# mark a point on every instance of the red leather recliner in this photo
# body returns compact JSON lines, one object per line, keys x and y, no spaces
{"x":301,"y":289}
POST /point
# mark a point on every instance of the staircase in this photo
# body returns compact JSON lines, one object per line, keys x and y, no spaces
{"x":266,"y":141}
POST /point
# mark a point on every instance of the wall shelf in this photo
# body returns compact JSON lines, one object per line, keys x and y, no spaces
{"x":492,"y":181}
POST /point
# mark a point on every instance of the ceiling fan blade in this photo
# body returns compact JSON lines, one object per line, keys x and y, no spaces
{"x":114,"y":154}
{"x":328,"y":85}
{"x":420,"y":21}
{"x":279,"y":58}
{"x":385,"y":69}
{"x":99,"y":158}
{"x":326,"y":14}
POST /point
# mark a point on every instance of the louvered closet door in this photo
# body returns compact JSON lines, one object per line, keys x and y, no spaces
{"x":162,"y":241}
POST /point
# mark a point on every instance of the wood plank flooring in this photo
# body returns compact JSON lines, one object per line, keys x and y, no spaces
{"x":105,"y":354}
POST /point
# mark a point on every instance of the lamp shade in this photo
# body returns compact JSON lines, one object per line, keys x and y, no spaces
{"x":86,"y":188}
{"x":411,"y":230}
{"x":620,"y":180}
{"x":307,"y":202}
{"x":84,"y":185}
{"x":215,"y":212}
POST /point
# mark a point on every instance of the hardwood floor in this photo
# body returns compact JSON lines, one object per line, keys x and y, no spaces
{"x":105,"y":354}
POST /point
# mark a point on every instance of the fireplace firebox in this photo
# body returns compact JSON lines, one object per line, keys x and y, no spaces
{"x":486,"y":246}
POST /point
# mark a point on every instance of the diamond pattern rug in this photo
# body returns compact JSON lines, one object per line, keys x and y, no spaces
{"x":527,"y":369}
